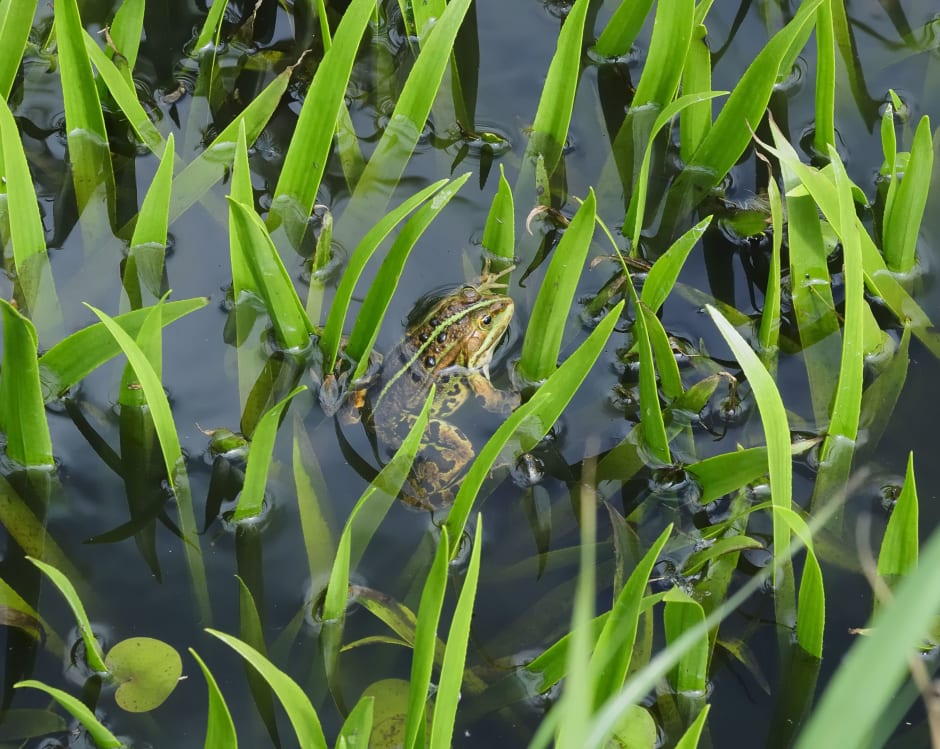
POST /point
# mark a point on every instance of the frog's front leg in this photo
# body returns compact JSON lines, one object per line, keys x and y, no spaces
{"x":444,"y":455}
{"x":491,"y":398}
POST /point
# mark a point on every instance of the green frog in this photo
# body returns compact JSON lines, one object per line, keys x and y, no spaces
{"x":448,"y":343}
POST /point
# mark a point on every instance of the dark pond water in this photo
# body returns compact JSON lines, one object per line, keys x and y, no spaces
{"x":524,"y":600}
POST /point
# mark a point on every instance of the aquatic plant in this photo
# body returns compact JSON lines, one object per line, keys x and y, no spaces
{"x":839,"y":297}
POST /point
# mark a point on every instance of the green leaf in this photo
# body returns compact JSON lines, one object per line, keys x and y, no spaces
{"x":530,"y":422}
{"x":610,"y":660}
{"x":357,"y":728}
{"x":298,"y":708}
{"x":542,"y":344}
{"x":902,"y":221}
{"x":693,"y":734}
{"x":102,"y":737}
{"x":361,"y":525}
{"x":220,"y":729}
{"x":623,"y":28}
{"x":126,"y":31}
{"x":33,"y":271}
{"x":731,"y":133}
{"x":811,"y":608}
{"x":147,"y":671}
{"x":380,"y":292}
{"x":22,"y":412}
{"x":774,"y":422}
{"x":422,"y":662}
{"x":499,"y":234}
{"x":144,"y":266}
{"x":93,"y":652}
{"x":727,"y":545}
{"x":125,"y":96}
{"x":16,"y":20}
{"x":388,"y":712}
{"x":172,"y":454}
{"x":297,"y":186}
{"x":682,"y":614}
{"x":668,"y":47}
{"x":332,"y":331}
{"x":661,"y":278}
{"x":24,"y":723}
{"x":271,"y":279}
{"x":550,"y":127}
{"x":404,"y":128}
{"x":89,"y":155}
{"x":846,"y":715}
{"x":455,"y":654}
{"x":251,"y":498}
{"x":898,"y":555}
{"x":212,"y":164}
{"x":696,"y":119}
{"x":71,"y":359}
{"x":824,"y":132}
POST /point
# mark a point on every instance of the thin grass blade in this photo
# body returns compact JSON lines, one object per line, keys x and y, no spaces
{"x":332,"y":331}
{"x":550,"y":127}
{"x":22,"y":413}
{"x":102,"y":737}
{"x":71,"y":359}
{"x":172,"y":454}
{"x":251,"y":499}
{"x":902,"y":223}
{"x":271,"y":279}
{"x":422,"y":662}
{"x":387,"y":163}
{"x":309,"y":147}
{"x":776,"y":428}
{"x":89,"y":154}
{"x":898,"y":554}
{"x":455,"y":654}
{"x":299,"y":711}
{"x":144,"y":266}
{"x":33,"y":271}
{"x":93,"y":652}
{"x":846,"y":715}
{"x":220,"y":729}
{"x":530,"y":422}
{"x":542,"y":345}
{"x":16,"y":21}
{"x":379,"y":295}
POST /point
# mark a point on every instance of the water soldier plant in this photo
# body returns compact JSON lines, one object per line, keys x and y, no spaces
{"x":672,"y":499}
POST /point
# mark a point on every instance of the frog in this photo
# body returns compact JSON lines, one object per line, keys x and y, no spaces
{"x":448,"y":343}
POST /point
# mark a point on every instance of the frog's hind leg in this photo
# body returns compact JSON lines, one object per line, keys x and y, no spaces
{"x":444,"y":455}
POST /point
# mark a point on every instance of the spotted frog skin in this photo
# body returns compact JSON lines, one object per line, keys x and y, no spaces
{"x":449,"y":345}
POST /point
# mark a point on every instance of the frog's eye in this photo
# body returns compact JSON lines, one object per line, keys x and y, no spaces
{"x":486,"y":320}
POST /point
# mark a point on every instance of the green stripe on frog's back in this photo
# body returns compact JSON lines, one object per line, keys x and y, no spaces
{"x":422,"y":349}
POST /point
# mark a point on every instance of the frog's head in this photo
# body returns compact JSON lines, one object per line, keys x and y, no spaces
{"x":461,"y":329}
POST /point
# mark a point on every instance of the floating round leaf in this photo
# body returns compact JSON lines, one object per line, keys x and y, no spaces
{"x":147,"y":671}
